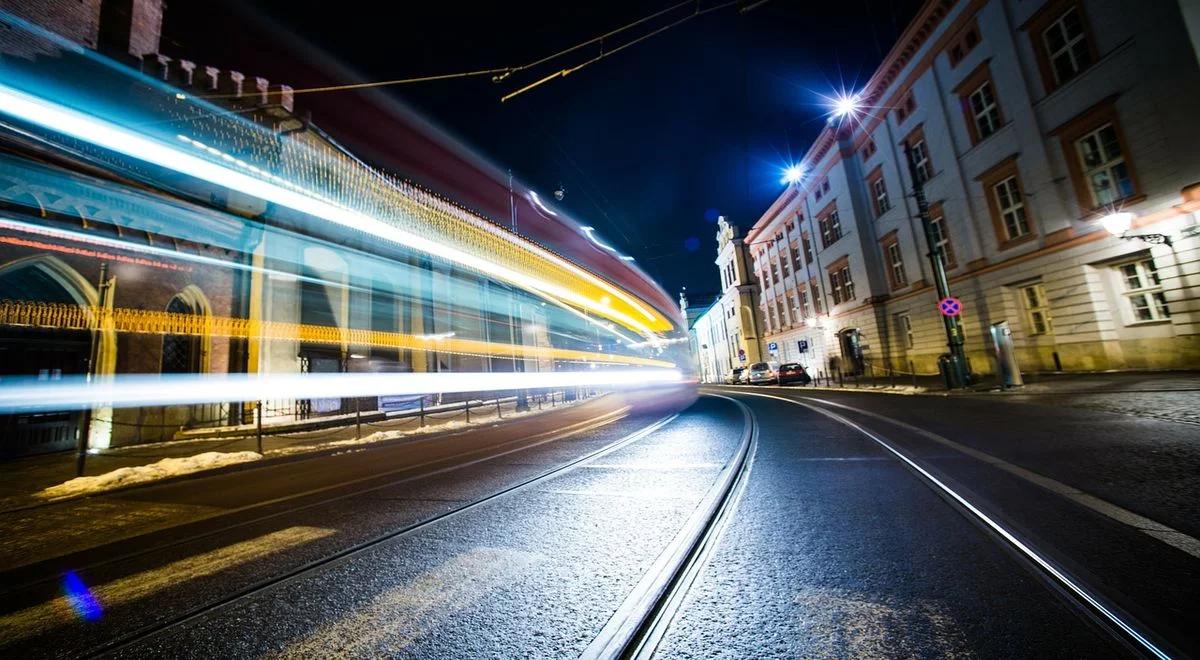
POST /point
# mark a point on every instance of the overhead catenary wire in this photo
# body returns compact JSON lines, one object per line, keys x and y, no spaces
{"x":499,"y":74}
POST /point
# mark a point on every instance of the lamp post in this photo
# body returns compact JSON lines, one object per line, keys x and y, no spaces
{"x":958,"y":374}
{"x":1118,"y":224}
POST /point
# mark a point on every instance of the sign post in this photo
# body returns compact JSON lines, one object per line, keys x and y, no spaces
{"x":958,"y":374}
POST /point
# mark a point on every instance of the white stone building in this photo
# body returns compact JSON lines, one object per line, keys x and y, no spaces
{"x":730,"y":327}
{"x":1030,"y":121}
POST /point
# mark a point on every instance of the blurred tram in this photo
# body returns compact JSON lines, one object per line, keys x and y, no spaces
{"x":185,"y":227}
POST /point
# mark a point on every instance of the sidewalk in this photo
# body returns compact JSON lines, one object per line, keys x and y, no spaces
{"x":1165,"y":395}
{"x":40,"y":479}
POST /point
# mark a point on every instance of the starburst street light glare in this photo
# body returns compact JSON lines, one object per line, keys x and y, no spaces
{"x":846,"y":106}
{"x":792,"y":174}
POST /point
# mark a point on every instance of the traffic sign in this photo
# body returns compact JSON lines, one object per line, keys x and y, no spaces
{"x":773,"y":346}
{"x":803,"y":345}
{"x":950,"y":306}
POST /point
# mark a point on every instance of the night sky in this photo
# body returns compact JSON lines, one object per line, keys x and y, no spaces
{"x":650,"y":143}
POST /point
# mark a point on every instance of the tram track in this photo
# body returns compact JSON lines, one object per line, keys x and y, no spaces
{"x":1088,"y":601}
{"x":642,"y":620}
{"x":114,"y":647}
{"x":373,"y":482}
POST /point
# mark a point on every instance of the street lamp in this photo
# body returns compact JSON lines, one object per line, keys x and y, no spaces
{"x":844,"y":106}
{"x":792,"y":174}
{"x":1118,"y":224}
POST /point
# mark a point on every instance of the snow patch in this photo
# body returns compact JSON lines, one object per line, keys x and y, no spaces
{"x":167,"y":467}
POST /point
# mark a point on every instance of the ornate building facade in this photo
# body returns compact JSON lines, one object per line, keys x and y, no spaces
{"x":1055,"y":143}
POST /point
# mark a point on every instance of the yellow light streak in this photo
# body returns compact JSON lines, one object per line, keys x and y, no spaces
{"x":62,"y":316}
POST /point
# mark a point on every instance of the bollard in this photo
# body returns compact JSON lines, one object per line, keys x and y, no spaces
{"x":498,"y":415}
{"x":467,"y":407}
{"x":357,"y":418}
{"x":891,"y":377}
{"x":552,"y":399}
{"x":258,"y":416}
{"x":912,"y":369}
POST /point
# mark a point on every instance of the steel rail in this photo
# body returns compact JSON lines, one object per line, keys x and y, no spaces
{"x":114,"y":647}
{"x":545,"y":437}
{"x":643,"y":618}
{"x":1106,"y":614}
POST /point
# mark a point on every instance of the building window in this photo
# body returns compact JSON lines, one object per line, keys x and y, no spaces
{"x":906,"y":108}
{"x":782,"y":309}
{"x":879,"y":195}
{"x":815,"y":287}
{"x":1067,"y":46}
{"x":802,"y":302}
{"x":783,"y":266}
{"x":1011,"y":220}
{"x":1143,"y":291}
{"x":981,"y":110}
{"x":867,"y":150}
{"x":797,"y":264}
{"x":1062,"y":41}
{"x":808,"y":253}
{"x":904,"y":328}
{"x":1037,"y":310}
{"x":1104,"y":167}
{"x":963,"y":44}
{"x":984,"y":110}
{"x":942,"y":239}
{"x":896,"y":265}
{"x":1011,"y":207}
{"x":919,"y":153}
{"x":831,"y":228}
{"x":774,"y":273}
{"x":841,"y":287}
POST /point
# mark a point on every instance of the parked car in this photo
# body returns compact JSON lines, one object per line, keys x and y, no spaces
{"x":761,"y":373}
{"x":793,"y":373}
{"x":735,"y":377}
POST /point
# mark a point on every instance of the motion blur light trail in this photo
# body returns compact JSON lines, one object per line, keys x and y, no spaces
{"x":73,"y":317}
{"x":76,"y":393}
{"x":566,"y":281}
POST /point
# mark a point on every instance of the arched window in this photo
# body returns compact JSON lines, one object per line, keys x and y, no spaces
{"x":180,"y":353}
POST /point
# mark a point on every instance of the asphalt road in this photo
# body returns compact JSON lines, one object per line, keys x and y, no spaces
{"x":835,"y":548}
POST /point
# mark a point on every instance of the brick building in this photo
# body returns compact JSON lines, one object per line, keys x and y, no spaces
{"x":1028,"y":122}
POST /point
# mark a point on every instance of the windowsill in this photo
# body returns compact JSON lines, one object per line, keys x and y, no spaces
{"x":1016,"y":242}
{"x":1056,"y":90}
{"x":1139,"y":324}
{"x":1101,"y":211}
{"x":976,"y":144}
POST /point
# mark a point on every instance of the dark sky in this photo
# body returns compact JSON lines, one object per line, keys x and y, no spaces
{"x":649,"y":143}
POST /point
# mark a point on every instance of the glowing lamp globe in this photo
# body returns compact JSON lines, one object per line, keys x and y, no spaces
{"x":792,"y":174}
{"x":1117,"y":223}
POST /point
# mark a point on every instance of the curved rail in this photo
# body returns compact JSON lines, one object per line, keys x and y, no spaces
{"x":134,"y":637}
{"x":639,"y":624}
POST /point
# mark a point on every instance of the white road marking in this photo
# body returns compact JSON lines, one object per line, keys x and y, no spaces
{"x":124,"y":590}
{"x":1152,"y":528}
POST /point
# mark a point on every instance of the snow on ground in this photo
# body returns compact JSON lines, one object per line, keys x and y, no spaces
{"x":171,"y":467}
{"x":167,"y":467}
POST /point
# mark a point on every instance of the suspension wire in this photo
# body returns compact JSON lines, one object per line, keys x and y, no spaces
{"x":499,"y":74}
{"x":568,"y":71}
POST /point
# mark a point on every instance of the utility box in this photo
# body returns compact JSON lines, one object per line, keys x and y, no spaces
{"x":1006,"y":356}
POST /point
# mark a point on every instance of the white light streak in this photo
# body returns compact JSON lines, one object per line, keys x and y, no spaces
{"x":113,"y":137}
{"x":31,"y":395}
{"x":537,"y":201}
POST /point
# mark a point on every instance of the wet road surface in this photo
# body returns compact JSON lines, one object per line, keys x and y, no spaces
{"x":833,"y":546}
